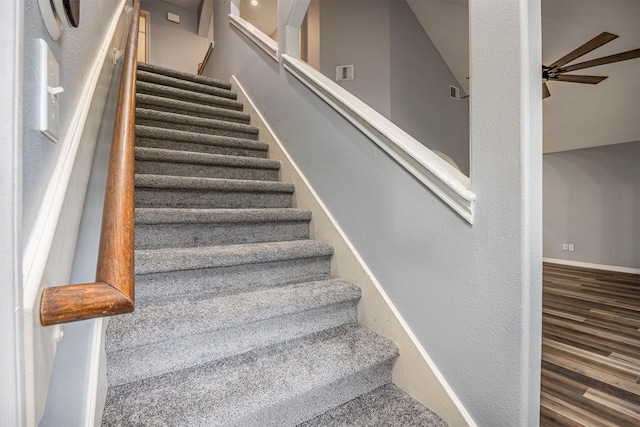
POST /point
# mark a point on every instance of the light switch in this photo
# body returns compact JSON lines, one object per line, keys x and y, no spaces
{"x":50,"y":91}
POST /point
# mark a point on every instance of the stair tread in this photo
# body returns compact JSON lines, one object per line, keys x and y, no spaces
{"x":387,"y":406}
{"x":185,"y":84}
{"x":151,"y":101}
{"x":213,"y":184}
{"x":174,"y":92}
{"x":148,"y":114}
{"x":190,"y":157}
{"x":144,"y":66}
{"x":175,"y":259}
{"x":156,"y":323}
{"x":208,"y":395}
{"x":210,"y":216}
{"x":153,"y":132}
{"x":248,"y":328}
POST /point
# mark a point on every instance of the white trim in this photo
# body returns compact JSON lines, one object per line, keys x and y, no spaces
{"x":617,"y":268}
{"x":462,"y":412}
{"x":147,"y":31}
{"x":93,"y":417}
{"x":264,"y":42}
{"x":452,"y":186}
{"x":292,"y":28}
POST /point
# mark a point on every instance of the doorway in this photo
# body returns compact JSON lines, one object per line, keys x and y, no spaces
{"x":143,"y":37}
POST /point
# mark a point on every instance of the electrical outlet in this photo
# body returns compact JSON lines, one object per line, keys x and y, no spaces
{"x":565,"y":246}
{"x":571,"y":247}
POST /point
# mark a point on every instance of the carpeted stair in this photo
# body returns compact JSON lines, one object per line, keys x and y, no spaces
{"x":238,"y":320}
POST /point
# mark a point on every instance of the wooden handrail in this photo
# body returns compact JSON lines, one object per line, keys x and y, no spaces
{"x":113,"y":291}
{"x":206,"y":59}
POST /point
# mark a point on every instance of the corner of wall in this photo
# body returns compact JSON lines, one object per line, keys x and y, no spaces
{"x":413,"y":370}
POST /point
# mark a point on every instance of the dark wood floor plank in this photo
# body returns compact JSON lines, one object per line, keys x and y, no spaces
{"x":607,"y":364}
{"x":591,"y":348}
{"x":619,"y":405}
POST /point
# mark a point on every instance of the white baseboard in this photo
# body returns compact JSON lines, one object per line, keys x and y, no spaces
{"x":97,"y":375}
{"x":413,"y":371}
{"x":592,"y":265}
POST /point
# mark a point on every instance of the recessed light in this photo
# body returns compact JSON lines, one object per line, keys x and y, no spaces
{"x":254,"y":2}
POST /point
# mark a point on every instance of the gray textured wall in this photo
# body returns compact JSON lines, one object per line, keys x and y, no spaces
{"x":356,"y":32}
{"x":592,"y":199}
{"x":470,"y":294}
{"x":420,"y":79}
{"x":75,"y":51}
{"x":398,"y":71}
{"x":172,"y":45}
{"x":71,"y":386}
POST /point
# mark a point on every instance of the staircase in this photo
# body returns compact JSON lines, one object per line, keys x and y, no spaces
{"x":238,"y":320}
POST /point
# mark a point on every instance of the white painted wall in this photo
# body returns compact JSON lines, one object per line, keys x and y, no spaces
{"x":419,"y":92}
{"x":447,"y":24}
{"x":470,"y":294}
{"x":171,"y":45}
{"x":576,"y":115}
{"x":73,"y":384}
{"x":357,"y":33}
{"x":398,"y":71}
{"x":12,"y":395}
{"x":75,"y":51}
{"x":582,"y":115}
{"x":592,"y":199}
{"x":56,"y":174}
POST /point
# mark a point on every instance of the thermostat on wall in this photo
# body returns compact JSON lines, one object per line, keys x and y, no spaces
{"x":344,"y":72}
{"x":173,"y":17}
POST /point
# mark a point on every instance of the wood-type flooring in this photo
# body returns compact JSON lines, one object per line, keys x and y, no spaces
{"x":590,"y":348}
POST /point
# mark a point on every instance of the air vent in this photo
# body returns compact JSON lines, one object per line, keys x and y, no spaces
{"x":454,"y":92}
{"x":344,"y":72}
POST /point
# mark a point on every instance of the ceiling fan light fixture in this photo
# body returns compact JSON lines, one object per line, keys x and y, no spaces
{"x":557,"y":70}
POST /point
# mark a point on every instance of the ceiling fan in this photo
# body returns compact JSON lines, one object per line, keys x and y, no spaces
{"x":557,"y":70}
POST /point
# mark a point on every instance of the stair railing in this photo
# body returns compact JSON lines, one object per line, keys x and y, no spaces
{"x":113,"y":291}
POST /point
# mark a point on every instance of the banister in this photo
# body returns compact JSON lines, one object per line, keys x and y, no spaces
{"x":113,"y":291}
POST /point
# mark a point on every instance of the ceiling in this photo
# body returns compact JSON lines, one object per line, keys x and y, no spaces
{"x":262,"y":14}
{"x":185,"y":4}
{"x":576,"y":115}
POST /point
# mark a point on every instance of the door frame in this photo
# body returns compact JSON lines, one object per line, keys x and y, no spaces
{"x":147,"y":29}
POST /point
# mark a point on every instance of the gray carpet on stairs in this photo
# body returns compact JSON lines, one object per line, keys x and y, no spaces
{"x":238,"y":321}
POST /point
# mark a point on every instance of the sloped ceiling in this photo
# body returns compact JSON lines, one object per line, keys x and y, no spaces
{"x":576,"y":115}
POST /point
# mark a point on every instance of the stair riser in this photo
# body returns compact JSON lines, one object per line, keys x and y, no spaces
{"x":178,"y":198}
{"x":220,"y":281}
{"x":204,"y":171}
{"x":156,"y":236}
{"x":199,"y":148}
{"x":160,"y":79}
{"x":130,"y":365}
{"x":193,"y":113}
{"x":303,"y":407}
{"x":194,"y":97}
{"x":198,"y":129}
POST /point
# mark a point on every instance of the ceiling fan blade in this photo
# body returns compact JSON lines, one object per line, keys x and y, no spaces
{"x":592,"y":80}
{"x":623,"y":56}
{"x":545,"y":91}
{"x":592,"y":44}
